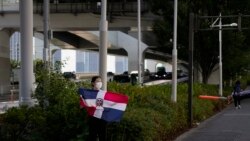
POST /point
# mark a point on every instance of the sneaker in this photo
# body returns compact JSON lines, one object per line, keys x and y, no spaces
{"x":236,"y":108}
{"x":239,"y":107}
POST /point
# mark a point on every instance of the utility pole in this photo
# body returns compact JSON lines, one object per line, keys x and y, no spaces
{"x":220,"y":58}
{"x":220,"y":50}
{"x":174,"y":56}
{"x":103,"y":44}
{"x":46,"y":49}
{"x":26,"y":28}
{"x":139,"y":43}
{"x":194,"y":27}
{"x":190,"y":70}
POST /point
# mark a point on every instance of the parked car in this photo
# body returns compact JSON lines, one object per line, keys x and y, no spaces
{"x":110,"y":73}
{"x":122,"y":78}
{"x":69,"y":75}
{"x":125,"y":73}
{"x":162,"y":75}
{"x":110,"y":76}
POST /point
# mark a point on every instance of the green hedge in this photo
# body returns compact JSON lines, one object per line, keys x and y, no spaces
{"x":150,"y":114}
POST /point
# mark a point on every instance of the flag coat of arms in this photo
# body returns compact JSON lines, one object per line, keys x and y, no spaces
{"x":104,"y":105}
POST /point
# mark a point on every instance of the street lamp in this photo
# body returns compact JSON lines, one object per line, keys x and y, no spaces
{"x":174,"y":55}
{"x":220,"y":47}
{"x":139,"y":42}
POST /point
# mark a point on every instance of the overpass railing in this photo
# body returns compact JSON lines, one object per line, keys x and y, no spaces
{"x":76,"y":6}
{"x":9,"y":6}
{"x":92,"y":7}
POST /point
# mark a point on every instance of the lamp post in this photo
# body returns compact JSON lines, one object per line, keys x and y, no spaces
{"x":174,"y":54}
{"x":46,"y":49}
{"x":139,"y":41}
{"x":220,"y":49}
{"x":103,"y":44}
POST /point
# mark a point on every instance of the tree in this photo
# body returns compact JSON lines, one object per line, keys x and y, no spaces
{"x":206,"y":43}
{"x":14,"y":64}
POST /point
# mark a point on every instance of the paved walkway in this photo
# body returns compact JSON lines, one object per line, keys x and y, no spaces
{"x":229,"y":125}
{"x":8,"y":104}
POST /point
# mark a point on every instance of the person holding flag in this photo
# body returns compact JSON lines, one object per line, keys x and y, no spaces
{"x":102,"y":107}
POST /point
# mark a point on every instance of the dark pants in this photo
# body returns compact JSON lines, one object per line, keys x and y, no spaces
{"x":97,"y":129}
{"x":236,"y":100}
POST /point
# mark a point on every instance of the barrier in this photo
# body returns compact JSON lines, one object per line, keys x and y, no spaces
{"x":209,"y":97}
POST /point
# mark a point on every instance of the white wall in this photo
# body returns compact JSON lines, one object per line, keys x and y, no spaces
{"x":214,"y":77}
{"x":111,"y":63}
{"x":68,"y":57}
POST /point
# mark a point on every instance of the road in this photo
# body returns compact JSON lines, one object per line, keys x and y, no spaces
{"x":229,"y":125}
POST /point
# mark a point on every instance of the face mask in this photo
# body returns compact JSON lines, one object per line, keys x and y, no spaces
{"x":98,"y":85}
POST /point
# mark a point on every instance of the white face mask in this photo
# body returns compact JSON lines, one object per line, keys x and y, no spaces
{"x":98,"y":85}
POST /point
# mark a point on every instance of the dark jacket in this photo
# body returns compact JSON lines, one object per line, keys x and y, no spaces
{"x":237,"y":88}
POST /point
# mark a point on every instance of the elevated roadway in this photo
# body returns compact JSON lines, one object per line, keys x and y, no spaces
{"x":73,"y":27}
{"x":64,"y":17}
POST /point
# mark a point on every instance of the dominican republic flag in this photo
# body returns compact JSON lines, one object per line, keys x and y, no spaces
{"x":104,"y":105}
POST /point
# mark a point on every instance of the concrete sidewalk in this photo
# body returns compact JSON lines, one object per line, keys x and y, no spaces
{"x":229,"y":125}
{"x":8,"y":104}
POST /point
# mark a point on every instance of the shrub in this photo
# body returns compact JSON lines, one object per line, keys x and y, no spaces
{"x":150,"y":114}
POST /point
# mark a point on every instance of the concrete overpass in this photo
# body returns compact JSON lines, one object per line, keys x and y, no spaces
{"x":77,"y":31}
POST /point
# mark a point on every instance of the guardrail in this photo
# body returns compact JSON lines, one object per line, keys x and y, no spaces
{"x":113,"y":8}
{"x":92,"y":7}
{"x":9,"y":5}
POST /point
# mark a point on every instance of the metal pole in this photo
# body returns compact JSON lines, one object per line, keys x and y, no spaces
{"x":46,"y":49}
{"x":190,"y":71}
{"x":220,"y":56}
{"x":103,"y":44}
{"x":26,"y":28}
{"x":139,"y":41}
{"x":174,"y":56}
{"x":1,"y":5}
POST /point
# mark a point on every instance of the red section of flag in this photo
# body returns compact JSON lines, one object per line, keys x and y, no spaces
{"x":90,"y":110}
{"x":82,"y":103}
{"x":114,"y":97}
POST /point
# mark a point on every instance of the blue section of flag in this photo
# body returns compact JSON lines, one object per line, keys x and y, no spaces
{"x":88,"y":93}
{"x":112,"y":115}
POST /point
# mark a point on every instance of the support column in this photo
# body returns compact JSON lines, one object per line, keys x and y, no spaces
{"x":4,"y":62}
{"x":132,"y":60}
{"x":26,"y":28}
{"x":130,"y":44}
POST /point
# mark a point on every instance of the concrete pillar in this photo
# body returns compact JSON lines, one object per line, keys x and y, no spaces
{"x":133,"y":57}
{"x":130,"y":44}
{"x":4,"y":62}
{"x":26,"y":10}
{"x":197,"y":74}
{"x":132,"y":60}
